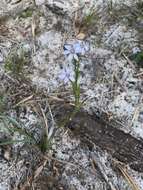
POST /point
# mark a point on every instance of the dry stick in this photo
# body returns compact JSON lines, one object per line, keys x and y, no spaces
{"x":135,"y":115}
{"x":24,"y":100}
{"x":51,"y":113}
{"x":34,"y":25}
{"x":123,"y":50}
{"x":36,"y":174}
{"x":45,"y":120}
{"x":40,"y":168}
{"x":139,"y":74}
{"x":102,"y":170}
{"x":76,"y":15}
{"x":70,"y":164}
{"x":46,"y":158}
{"x":51,"y":132}
{"x":120,"y":83}
{"x":129,"y":61}
{"x":128,"y":177}
{"x":136,"y":112}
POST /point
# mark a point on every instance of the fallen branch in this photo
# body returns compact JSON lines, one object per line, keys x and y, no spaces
{"x":91,"y":128}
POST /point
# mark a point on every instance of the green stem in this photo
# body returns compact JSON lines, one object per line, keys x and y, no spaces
{"x":69,"y":117}
{"x":75,"y":83}
{"x":76,"y":93}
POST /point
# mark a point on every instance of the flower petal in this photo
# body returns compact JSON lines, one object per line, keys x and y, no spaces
{"x":83,"y":51}
{"x":66,"y":52}
{"x":67,"y":71}
{"x":75,"y":57}
{"x":62,"y":76}
{"x":77,"y":47}
{"x":67,"y":47}
{"x":66,"y":80}
{"x":85,"y":46}
{"x":136,"y":50}
{"x":70,"y":57}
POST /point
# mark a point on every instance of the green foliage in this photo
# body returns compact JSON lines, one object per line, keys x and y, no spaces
{"x":75,"y":83}
{"x":2,"y":102}
{"x":17,"y":127}
{"x":139,"y":7}
{"x":89,"y":19}
{"x":44,"y":143}
{"x":138,"y":58}
{"x":27,"y":136}
{"x":27,"y":13}
{"x":76,"y":92}
{"x":15,"y":62}
{"x":110,"y":6}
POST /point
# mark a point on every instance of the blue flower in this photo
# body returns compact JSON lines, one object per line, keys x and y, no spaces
{"x":73,"y":51}
{"x":70,"y":52}
{"x":66,"y":75}
{"x":136,"y":50}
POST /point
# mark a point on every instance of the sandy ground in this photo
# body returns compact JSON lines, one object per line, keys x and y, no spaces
{"x":109,"y":81}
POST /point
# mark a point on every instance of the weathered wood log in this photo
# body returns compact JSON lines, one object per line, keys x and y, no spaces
{"x":122,"y":146}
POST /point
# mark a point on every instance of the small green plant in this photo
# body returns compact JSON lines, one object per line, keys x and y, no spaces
{"x":41,"y":138}
{"x":76,"y":93}
{"x":76,"y":84}
{"x":26,"y":13}
{"x":74,"y":53}
{"x":7,"y":121}
{"x":3,"y":101}
{"x":45,"y":143}
{"x":138,"y":58}
{"x":88,"y":20}
{"x":15,"y":64}
{"x":16,"y":61}
{"x":11,"y":125}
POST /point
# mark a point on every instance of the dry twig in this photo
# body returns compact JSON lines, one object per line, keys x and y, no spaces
{"x":101,"y":167}
{"x":129,"y":61}
{"x":129,"y":179}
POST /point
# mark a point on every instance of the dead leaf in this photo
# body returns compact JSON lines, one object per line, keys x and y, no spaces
{"x":81,"y":36}
{"x":39,"y":169}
